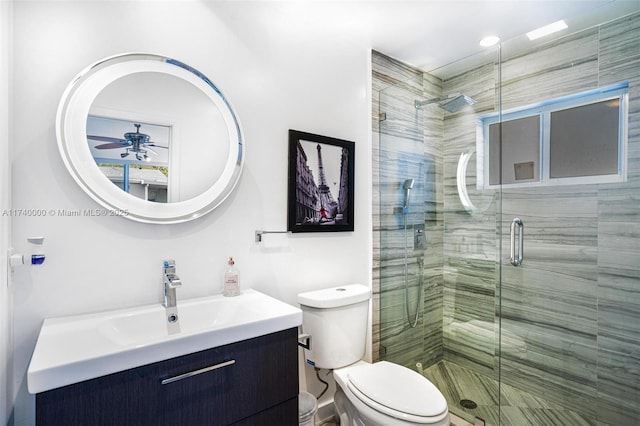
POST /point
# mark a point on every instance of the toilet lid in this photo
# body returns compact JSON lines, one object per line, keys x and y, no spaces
{"x":397,"y":388}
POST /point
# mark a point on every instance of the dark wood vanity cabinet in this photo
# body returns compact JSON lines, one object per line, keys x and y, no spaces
{"x":252,"y":382}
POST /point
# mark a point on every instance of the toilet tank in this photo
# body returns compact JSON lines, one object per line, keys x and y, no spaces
{"x":336,"y":319}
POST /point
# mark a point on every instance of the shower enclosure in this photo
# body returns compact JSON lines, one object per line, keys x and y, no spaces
{"x":552,"y":339}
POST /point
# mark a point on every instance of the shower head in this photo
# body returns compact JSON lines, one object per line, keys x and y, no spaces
{"x":451,"y":103}
{"x":407,"y":186}
{"x":456,"y":103}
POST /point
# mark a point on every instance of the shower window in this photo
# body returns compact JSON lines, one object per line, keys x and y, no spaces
{"x":576,"y":139}
{"x":520,"y":156}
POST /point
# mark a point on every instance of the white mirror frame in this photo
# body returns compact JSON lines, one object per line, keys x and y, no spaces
{"x":71,"y":123}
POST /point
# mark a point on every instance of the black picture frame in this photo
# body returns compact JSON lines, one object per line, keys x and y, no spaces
{"x":321,"y":183}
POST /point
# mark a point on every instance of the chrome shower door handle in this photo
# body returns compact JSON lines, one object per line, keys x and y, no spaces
{"x":517,"y":222}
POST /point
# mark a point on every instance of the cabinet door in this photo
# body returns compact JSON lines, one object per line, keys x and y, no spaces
{"x":127,"y":398}
{"x":224,"y":385}
{"x":285,"y":414}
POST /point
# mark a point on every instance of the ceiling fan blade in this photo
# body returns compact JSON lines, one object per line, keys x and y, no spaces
{"x":122,"y":142}
{"x":156,"y":146}
{"x":111,"y":146}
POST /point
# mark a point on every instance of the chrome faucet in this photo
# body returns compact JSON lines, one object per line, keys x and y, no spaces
{"x":171,"y":282}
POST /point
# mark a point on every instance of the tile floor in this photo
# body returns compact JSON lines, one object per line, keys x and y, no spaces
{"x":518,"y":407}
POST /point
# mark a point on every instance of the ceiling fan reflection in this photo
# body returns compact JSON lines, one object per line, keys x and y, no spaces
{"x":133,"y":142}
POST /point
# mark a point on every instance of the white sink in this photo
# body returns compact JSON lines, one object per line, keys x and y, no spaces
{"x":82,"y":347}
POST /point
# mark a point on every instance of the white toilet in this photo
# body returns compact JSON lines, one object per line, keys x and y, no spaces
{"x":379,"y":394}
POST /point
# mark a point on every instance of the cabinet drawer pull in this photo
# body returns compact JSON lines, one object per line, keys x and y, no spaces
{"x":196,"y":372}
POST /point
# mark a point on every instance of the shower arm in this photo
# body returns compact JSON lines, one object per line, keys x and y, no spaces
{"x":420,"y":104}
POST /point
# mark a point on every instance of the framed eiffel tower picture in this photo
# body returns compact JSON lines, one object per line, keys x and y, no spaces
{"x":321,"y":183}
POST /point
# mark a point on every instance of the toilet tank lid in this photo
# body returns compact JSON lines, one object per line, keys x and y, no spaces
{"x":335,"y":296}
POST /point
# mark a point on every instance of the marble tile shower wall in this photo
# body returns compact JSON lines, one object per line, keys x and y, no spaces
{"x":407,"y":144}
{"x":471,"y":254}
{"x":571,"y":317}
{"x":619,"y":243}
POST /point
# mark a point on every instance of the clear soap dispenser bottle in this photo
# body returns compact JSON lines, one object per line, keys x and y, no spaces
{"x":231,"y":286}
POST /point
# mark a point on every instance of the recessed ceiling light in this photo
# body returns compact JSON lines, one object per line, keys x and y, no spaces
{"x":546,"y":30}
{"x":489,"y":41}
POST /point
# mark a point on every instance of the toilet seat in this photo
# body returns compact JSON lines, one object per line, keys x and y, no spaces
{"x":396,"y":391}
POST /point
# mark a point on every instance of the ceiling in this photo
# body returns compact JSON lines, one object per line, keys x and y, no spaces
{"x":428,"y":34}
{"x":437,"y":33}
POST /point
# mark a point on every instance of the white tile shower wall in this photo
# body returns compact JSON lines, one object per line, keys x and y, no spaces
{"x":308,"y":80}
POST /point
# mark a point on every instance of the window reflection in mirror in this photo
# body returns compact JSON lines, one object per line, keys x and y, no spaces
{"x":133,"y":156}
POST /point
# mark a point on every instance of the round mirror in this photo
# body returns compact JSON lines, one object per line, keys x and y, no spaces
{"x":150,"y":138}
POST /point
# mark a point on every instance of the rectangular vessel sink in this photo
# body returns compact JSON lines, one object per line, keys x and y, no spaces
{"x":76,"y":348}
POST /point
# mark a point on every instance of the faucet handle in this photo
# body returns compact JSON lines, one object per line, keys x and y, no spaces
{"x":171,"y":280}
{"x":169,"y":266}
{"x":175,"y":282}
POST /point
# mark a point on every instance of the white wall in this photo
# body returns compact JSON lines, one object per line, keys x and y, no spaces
{"x":306,"y":79}
{"x":6,"y":346}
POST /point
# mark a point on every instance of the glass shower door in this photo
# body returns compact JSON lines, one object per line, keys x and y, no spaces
{"x":408,"y":251}
{"x":437,"y":259}
{"x":570,"y":311}
{"x":548,"y":308}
